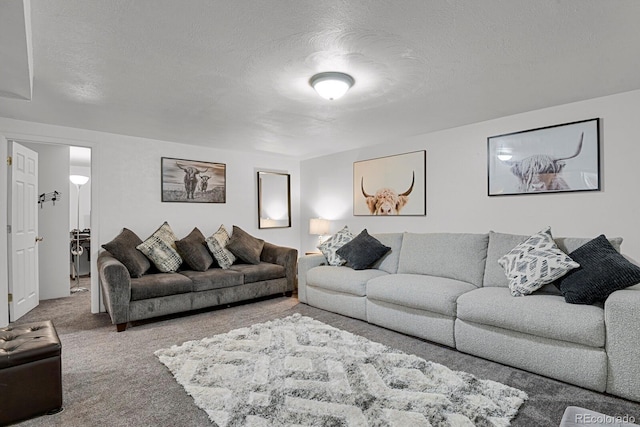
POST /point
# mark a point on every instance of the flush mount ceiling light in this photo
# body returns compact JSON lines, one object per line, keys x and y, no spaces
{"x":331,"y":85}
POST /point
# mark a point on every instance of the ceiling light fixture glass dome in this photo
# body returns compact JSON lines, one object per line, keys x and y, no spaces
{"x":331,"y":85}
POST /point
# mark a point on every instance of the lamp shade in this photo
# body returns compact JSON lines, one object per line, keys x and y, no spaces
{"x":319,"y":226}
{"x":78,"y":179}
{"x":331,"y":85}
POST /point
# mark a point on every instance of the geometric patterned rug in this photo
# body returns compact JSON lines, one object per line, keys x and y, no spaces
{"x":297,"y":371}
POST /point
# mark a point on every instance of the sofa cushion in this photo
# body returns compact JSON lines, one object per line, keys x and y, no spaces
{"x":389,"y":262}
{"x":457,"y":256}
{"x":362,"y":251}
{"x":159,"y":285}
{"x":217,"y":244}
{"x":333,"y":243}
{"x":259,"y":272}
{"x":213,"y":278}
{"x":163,"y":256}
{"x":602,"y":271}
{"x":245,"y":246}
{"x":501,"y":243}
{"x":541,"y":315}
{"x":431,"y":293}
{"x":124,"y":249}
{"x":534,"y":263}
{"x":342,"y":279}
{"x":193,"y":251}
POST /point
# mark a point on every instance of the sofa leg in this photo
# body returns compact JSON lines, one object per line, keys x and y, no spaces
{"x":288,"y":293}
{"x":120,"y":327}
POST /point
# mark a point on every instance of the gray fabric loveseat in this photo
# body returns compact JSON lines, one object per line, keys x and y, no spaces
{"x":131,"y":294}
{"x":449,"y":288}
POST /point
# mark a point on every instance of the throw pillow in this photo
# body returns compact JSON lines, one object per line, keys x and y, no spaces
{"x":362,"y":251}
{"x":163,"y":256}
{"x":534,"y":263}
{"x":602,"y":271}
{"x":217,"y":244}
{"x":166,"y":234}
{"x":193,"y":251}
{"x":245,"y":246}
{"x":123,"y":248}
{"x":333,"y":243}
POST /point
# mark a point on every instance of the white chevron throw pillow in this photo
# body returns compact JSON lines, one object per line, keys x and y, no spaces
{"x":333,"y":243}
{"x":534,"y":263}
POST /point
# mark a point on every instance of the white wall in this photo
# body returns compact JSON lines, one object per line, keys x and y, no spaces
{"x":131,"y":196}
{"x":126,"y":187}
{"x":457,"y":198}
{"x":53,"y":220}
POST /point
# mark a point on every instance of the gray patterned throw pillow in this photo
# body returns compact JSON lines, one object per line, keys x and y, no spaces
{"x":163,"y":256}
{"x":534,"y":263}
{"x":333,"y":243}
{"x":217,"y":244}
{"x":166,"y":234}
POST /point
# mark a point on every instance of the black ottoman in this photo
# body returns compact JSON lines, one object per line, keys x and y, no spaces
{"x":30,"y":371}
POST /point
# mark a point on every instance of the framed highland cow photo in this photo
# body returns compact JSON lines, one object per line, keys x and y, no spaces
{"x":394,"y":185}
{"x":193,"y":181}
{"x":552,"y":159}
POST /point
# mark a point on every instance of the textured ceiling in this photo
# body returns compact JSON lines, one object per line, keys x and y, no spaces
{"x":234,"y":74}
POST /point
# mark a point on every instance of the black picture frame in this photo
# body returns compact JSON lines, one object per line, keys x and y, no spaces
{"x":274,"y":199}
{"x":552,"y":159}
{"x":193,"y":181}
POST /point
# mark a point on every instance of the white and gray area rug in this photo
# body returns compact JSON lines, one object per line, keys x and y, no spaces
{"x":297,"y":371}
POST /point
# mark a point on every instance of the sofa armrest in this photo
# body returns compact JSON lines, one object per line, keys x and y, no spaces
{"x":284,"y":256}
{"x":305,"y":264}
{"x":115,"y":282}
{"x":622,"y":320}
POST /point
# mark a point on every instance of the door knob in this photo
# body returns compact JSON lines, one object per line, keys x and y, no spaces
{"x":39,"y":239}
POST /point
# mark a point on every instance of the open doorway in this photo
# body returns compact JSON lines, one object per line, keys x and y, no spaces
{"x":80,"y":218}
{"x":53,"y":198}
{"x":58,"y":216}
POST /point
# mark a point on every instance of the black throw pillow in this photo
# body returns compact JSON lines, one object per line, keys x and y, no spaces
{"x":123,"y":248}
{"x":602,"y":271}
{"x":245,"y":246}
{"x":194,"y":252}
{"x":363,"y":251}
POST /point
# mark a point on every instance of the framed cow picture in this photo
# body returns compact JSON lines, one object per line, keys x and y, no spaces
{"x":193,"y":181}
{"x":552,"y":159}
{"x":394,"y":185}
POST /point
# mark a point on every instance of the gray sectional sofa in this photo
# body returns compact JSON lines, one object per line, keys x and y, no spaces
{"x":128,"y":299}
{"x":449,"y":288}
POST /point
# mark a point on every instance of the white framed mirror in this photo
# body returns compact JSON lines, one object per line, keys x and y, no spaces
{"x":274,"y":200}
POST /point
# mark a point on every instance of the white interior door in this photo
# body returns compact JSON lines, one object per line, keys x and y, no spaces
{"x":23,"y":240}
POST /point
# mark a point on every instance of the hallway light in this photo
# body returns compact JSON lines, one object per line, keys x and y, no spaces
{"x":78,"y":180}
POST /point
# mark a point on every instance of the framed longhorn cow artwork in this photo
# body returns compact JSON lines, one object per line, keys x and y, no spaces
{"x":552,"y":159}
{"x":392,"y":185}
{"x":193,"y":181}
